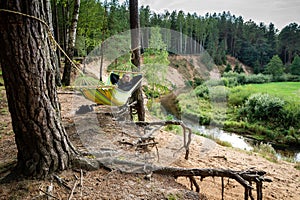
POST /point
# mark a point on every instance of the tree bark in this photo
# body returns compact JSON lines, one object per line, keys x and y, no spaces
{"x":71,"y":44}
{"x":29,"y":76}
{"x":135,"y":46}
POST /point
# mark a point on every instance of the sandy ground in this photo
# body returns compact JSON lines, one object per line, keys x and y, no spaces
{"x":103,"y":184}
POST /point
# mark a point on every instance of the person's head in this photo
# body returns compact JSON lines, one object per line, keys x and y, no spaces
{"x":125,"y":78}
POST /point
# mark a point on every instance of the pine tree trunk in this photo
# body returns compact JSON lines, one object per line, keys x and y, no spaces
{"x":29,"y":76}
{"x":135,"y":46}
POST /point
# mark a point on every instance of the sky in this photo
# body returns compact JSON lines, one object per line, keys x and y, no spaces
{"x":279,"y":12}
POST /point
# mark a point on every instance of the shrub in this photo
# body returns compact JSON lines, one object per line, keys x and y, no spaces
{"x":218,"y":94}
{"x":291,"y":115}
{"x":202,"y":91}
{"x":242,"y":78}
{"x":266,"y":150}
{"x":197,"y":81}
{"x":286,"y":78}
{"x":238,"y":96}
{"x":214,"y":82}
{"x":263,"y":107}
{"x":258,"y":78}
{"x":230,"y":81}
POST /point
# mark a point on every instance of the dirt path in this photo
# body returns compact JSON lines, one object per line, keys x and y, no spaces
{"x":102,"y":184}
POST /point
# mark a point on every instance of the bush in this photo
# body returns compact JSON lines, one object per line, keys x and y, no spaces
{"x":214,"y":82}
{"x":242,"y":78}
{"x":218,"y":94}
{"x":287,"y":78}
{"x":291,"y":115}
{"x":202,"y":91}
{"x":230,"y":81}
{"x":238,"y":96}
{"x":263,"y":107}
{"x":258,"y":78}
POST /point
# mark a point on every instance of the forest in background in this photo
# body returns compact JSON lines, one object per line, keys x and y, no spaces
{"x":220,"y":34}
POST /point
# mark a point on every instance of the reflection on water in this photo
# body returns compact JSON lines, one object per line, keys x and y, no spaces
{"x":288,"y":154}
{"x":241,"y":142}
{"x":234,"y":139}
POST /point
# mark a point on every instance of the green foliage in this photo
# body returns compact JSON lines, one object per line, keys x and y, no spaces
{"x":234,"y":78}
{"x":287,"y":78}
{"x":266,"y":150}
{"x":173,"y":128}
{"x":262,"y":107}
{"x":154,"y":108}
{"x":228,"y":68}
{"x":252,"y":44}
{"x":291,"y":117}
{"x":173,"y":197}
{"x":207,"y":61}
{"x":295,"y":66}
{"x":230,"y":81}
{"x":238,"y":68}
{"x":289,"y":42}
{"x":122,"y":62}
{"x":91,"y":25}
{"x":156,"y":60}
{"x":159,"y":90}
{"x":258,"y":78}
{"x":214,"y":82}
{"x":256,"y":131}
{"x":1,"y":78}
{"x":197,"y":81}
{"x":238,"y":96}
{"x":289,"y":91}
{"x":202,"y":91}
{"x":218,"y":94}
{"x":195,"y":108}
{"x":275,"y":67}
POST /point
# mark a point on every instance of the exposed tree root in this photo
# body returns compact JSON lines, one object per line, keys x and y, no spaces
{"x":245,"y":178}
{"x":187,"y":132}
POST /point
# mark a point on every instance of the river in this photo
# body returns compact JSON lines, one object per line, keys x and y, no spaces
{"x":241,"y":142}
{"x":168,"y":103}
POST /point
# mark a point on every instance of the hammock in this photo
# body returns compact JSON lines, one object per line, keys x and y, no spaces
{"x":113,"y":94}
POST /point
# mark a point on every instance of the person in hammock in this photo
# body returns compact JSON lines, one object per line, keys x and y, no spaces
{"x":125,"y":82}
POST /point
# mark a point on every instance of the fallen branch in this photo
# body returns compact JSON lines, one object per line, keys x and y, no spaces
{"x":81,"y":182}
{"x":73,"y":189}
{"x":61,"y":182}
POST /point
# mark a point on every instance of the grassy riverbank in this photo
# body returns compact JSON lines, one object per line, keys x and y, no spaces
{"x":268,"y":112}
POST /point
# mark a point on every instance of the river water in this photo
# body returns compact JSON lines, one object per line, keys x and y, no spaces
{"x":237,"y":141}
{"x":241,"y":142}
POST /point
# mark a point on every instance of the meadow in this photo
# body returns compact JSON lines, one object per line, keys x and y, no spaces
{"x":288,"y":91}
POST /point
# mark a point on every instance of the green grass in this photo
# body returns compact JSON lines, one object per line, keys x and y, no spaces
{"x":289,"y":91}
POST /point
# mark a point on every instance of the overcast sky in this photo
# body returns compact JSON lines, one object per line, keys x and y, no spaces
{"x":279,"y":12}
